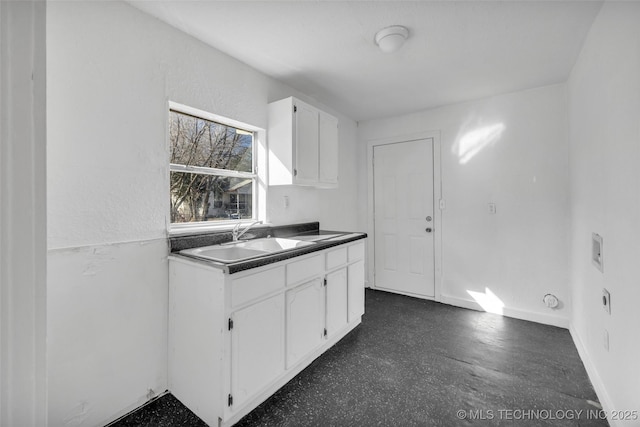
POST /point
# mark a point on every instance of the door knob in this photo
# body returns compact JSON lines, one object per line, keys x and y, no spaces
{"x":428,"y":230}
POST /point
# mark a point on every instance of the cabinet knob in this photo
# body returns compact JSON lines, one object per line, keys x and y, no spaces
{"x":428,"y":229}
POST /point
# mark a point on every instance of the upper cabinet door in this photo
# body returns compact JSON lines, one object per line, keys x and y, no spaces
{"x":328,"y":142}
{"x":306,"y":144}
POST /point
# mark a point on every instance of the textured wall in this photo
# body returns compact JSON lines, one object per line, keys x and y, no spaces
{"x":111,"y":71}
{"x":510,"y":150}
{"x":22,"y":213}
{"x":604,"y":106}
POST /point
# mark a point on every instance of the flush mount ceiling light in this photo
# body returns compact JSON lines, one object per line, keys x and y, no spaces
{"x":391,"y":38}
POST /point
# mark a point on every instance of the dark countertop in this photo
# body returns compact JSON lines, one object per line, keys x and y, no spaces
{"x":308,"y":231}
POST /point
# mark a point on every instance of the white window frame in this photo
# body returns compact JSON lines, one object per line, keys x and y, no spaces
{"x":258,"y":175}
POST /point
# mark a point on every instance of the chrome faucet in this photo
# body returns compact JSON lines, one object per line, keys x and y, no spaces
{"x":236,"y":233}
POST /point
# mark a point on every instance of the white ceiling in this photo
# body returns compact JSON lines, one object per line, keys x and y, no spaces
{"x":457,"y":50}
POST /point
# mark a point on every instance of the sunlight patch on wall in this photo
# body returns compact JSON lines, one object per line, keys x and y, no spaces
{"x":488,"y":301}
{"x":472,"y":142}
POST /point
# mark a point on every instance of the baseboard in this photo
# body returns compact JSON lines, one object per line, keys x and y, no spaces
{"x":408,"y":294}
{"x":530,"y":316}
{"x":592,"y":372}
{"x":131,"y":409}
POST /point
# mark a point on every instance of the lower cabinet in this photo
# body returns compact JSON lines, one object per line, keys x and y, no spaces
{"x":336,"y":301}
{"x":305,"y":320}
{"x":257,"y":347}
{"x":235,"y":339}
{"x":355,"y":298}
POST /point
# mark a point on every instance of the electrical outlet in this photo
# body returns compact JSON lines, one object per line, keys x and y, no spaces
{"x":286,"y":202}
{"x":606,"y":340}
{"x":492,"y":208}
{"x":606,"y":301}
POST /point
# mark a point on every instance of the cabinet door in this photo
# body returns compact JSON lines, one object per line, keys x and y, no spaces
{"x":306,"y":144}
{"x":257,"y":347}
{"x":336,"y":309}
{"x":355,"y":282}
{"x":305,"y":320}
{"x":328,"y":150}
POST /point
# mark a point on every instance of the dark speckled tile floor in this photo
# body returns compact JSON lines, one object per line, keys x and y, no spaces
{"x":418,"y":363}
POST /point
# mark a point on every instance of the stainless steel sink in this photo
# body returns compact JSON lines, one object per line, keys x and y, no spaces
{"x":272,"y":244}
{"x":240,"y":251}
{"x":223,"y":253}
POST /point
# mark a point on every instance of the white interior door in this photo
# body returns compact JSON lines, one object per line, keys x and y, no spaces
{"x":403,"y":217}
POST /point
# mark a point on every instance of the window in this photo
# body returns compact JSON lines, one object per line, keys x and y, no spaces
{"x":212,"y":169}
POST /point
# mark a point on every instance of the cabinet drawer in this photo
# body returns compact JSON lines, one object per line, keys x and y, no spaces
{"x":298,"y":271}
{"x":336,"y":258}
{"x":356,"y":252}
{"x":255,"y":285}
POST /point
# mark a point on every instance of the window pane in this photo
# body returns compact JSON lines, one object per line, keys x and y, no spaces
{"x":199,"y":142}
{"x":197,"y":197}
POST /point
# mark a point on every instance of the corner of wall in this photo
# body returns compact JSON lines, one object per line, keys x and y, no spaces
{"x":604,"y":143}
{"x":592,"y":372}
{"x":23,"y":293}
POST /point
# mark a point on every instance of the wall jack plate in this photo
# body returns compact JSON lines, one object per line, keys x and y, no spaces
{"x":596,"y":251}
{"x":606,"y":301}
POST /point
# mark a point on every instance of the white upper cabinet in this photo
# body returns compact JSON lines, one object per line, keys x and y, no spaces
{"x":303,"y":145}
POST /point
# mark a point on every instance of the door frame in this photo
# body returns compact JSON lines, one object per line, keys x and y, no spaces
{"x":437,"y":211}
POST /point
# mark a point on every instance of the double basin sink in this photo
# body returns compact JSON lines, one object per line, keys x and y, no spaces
{"x":243,"y":250}
{"x":249,"y":249}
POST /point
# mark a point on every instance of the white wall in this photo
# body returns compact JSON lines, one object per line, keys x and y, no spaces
{"x":520,"y":253}
{"x":111,"y":71}
{"x":604,"y":106}
{"x":22,"y":214}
